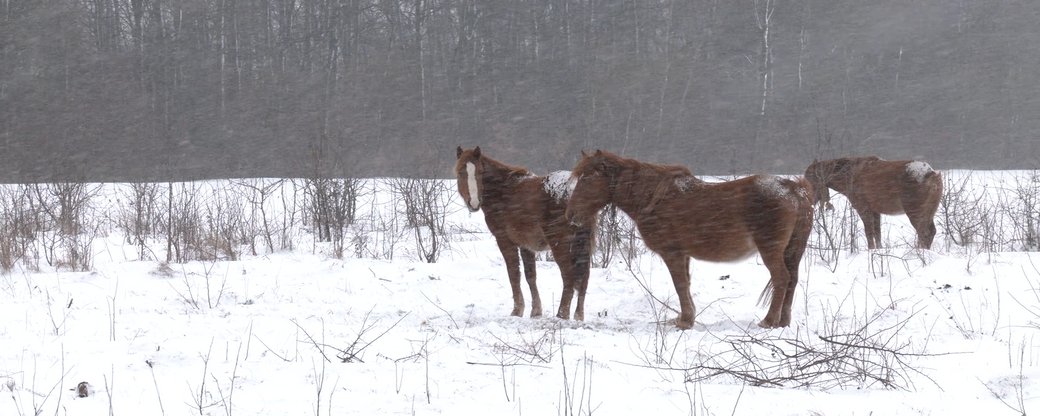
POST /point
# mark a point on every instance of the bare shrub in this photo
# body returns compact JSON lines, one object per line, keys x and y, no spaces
{"x":293,"y":211}
{"x":332,"y":205}
{"x":616,"y":239}
{"x":834,"y":232}
{"x":206,"y":397}
{"x":258,"y":194}
{"x":867,"y":355}
{"x":541,"y":348}
{"x":608,"y":237}
{"x":68,"y":227}
{"x":965,"y":215}
{"x":64,"y":203}
{"x":78,"y":249}
{"x":384,"y":238}
{"x":1024,"y":213}
{"x":226,"y":229}
{"x":424,"y":205}
{"x":576,"y":393}
{"x":20,"y":226}
{"x":200,"y":225}
{"x":139,"y":218}
{"x":182,"y":223}
{"x":354,"y":351}
{"x":199,"y":287}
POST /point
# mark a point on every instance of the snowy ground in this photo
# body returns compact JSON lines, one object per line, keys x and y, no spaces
{"x":299,"y":333}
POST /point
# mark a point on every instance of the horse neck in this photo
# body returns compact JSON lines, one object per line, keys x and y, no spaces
{"x":499,"y":179}
{"x":635,"y":188}
{"x":839,"y":181}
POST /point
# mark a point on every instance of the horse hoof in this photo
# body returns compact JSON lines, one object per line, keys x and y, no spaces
{"x":517,"y":312}
{"x":683,"y":325}
{"x":563,"y":316}
{"x":765,"y":323}
{"x":536,"y":313}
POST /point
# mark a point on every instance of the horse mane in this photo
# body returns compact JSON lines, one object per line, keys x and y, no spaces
{"x":508,"y":171}
{"x":505,"y":170}
{"x":612,"y":161}
{"x":667,"y":173}
{"x":824,"y":171}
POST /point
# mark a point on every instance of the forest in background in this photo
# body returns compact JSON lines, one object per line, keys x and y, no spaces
{"x":128,"y":90}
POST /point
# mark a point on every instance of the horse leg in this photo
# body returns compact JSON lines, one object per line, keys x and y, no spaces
{"x":877,"y":229}
{"x":868,"y":219}
{"x":531,"y":273}
{"x":574,"y":257}
{"x":792,"y":259}
{"x":781,"y":284}
{"x":679,"y":267}
{"x":582,"y":261}
{"x":565,"y":261}
{"x":512,"y":258}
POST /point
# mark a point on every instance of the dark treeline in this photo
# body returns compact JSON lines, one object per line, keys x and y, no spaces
{"x":177,"y":89}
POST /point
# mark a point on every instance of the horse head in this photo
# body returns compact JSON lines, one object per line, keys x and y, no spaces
{"x":469,"y":170}
{"x":591,"y":186}
{"x":818,"y":174}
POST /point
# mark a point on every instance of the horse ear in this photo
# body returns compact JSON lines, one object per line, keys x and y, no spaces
{"x":583,"y":154}
{"x":599,"y":152}
{"x":476,"y":152}
{"x":458,"y":152}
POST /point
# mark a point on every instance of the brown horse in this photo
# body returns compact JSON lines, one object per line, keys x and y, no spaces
{"x":680,"y":216}
{"x":525,"y":214}
{"x":874,"y":186}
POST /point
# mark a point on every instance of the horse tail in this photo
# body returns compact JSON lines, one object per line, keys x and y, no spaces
{"x":767,"y":292}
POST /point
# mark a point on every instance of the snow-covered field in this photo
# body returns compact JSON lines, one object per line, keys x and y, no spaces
{"x":896,"y":331}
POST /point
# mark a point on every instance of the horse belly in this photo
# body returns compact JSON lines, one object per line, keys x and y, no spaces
{"x":879,"y":194}
{"x":890,"y":207}
{"x":702,"y":243}
{"x":531,"y":238}
{"x":723,"y":249}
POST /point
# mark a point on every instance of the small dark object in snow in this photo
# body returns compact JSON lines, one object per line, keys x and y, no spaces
{"x":83,"y":389}
{"x":967,"y":287}
{"x":946,"y":286}
{"x":724,"y":277}
{"x":602,"y":314}
{"x":434,"y":278}
{"x":248,"y":302}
